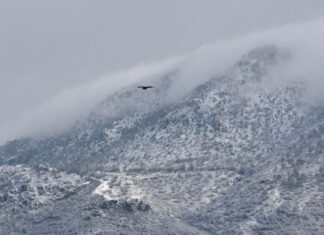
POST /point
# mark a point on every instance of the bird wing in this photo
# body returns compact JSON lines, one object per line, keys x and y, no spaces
{"x":144,"y":87}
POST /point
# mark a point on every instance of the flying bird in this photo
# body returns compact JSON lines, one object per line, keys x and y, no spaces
{"x":144,"y":87}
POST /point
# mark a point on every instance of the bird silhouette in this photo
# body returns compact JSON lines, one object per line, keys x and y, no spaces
{"x":144,"y":87}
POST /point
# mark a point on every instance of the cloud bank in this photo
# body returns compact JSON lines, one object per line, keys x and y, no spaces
{"x":303,"y":41}
{"x":64,"y":109}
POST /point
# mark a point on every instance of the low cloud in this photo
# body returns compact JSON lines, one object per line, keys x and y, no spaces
{"x":64,"y":109}
{"x":303,"y":41}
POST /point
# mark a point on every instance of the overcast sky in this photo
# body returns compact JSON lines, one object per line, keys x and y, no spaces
{"x":48,"y":46}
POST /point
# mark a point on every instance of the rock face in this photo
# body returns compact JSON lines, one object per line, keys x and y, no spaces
{"x":234,"y":156}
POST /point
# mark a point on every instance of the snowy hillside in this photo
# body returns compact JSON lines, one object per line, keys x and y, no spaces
{"x":238,"y":154}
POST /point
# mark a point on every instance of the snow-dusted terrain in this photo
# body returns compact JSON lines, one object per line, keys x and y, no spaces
{"x":236,"y":155}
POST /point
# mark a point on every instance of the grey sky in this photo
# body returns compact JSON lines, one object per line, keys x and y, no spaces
{"x":47,"y":46}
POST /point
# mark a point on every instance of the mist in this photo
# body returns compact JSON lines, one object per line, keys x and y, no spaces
{"x":59,"y":59}
{"x":63,"y":110}
{"x":303,"y":42}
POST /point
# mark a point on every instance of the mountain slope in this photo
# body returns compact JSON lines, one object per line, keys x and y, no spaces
{"x":235,"y":155}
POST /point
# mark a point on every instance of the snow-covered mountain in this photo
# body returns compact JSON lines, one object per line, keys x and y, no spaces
{"x":238,"y":154}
